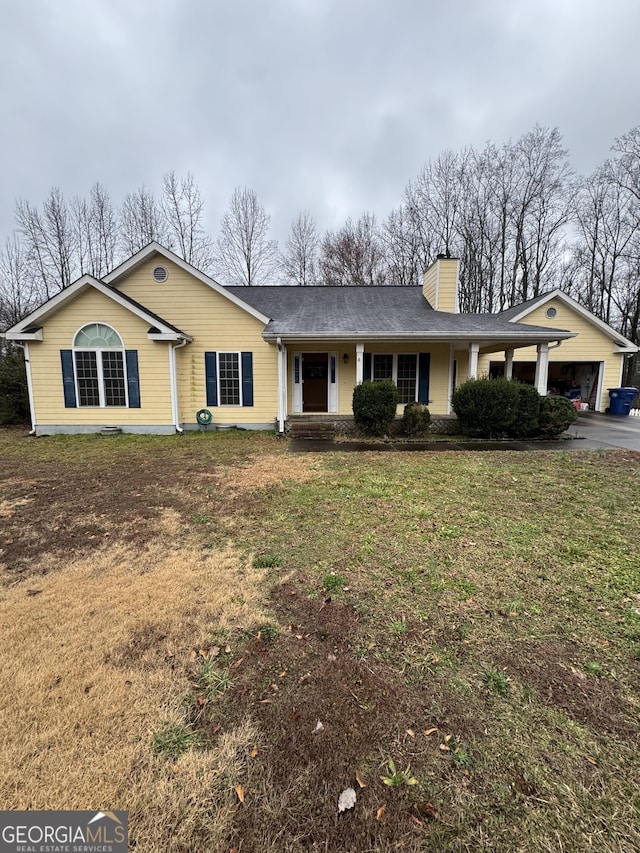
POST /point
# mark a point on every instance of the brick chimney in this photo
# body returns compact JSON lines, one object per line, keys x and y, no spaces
{"x":440,"y":284}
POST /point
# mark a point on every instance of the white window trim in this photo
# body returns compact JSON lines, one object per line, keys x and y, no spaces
{"x":394,"y":369}
{"x":229,"y":352}
{"x":101,"y":395}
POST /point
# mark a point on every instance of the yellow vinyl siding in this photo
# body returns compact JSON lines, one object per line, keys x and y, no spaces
{"x":591,"y":344}
{"x":440,"y":284}
{"x":216,"y":325}
{"x":59,"y":332}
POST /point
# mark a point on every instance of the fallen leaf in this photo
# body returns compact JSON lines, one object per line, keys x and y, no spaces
{"x":411,"y":733}
{"x":176,"y":768}
{"x":214,"y":651}
{"x":202,"y":699}
{"x":254,"y":752}
{"x":428,"y":732}
{"x":417,"y":820}
{"x":428,"y":810}
{"x":204,"y":653}
{"x":193,"y":655}
{"x":359,"y":781}
{"x":240,"y":792}
{"x":447,"y":738}
{"x":346,"y":800}
{"x":265,"y":702}
{"x":227,"y":650}
{"x":444,"y":747}
{"x":319,"y":727}
{"x":381,"y":811}
{"x":34,"y":591}
{"x":237,"y":663}
{"x":591,"y":760}
{"x":331,"y":658}
{"x":579,"y":675}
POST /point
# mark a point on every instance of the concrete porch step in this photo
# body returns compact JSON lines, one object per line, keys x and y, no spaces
{"x":321,"y":430}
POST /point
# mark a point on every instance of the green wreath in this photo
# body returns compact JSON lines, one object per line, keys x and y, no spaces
{"x":204,"y":417}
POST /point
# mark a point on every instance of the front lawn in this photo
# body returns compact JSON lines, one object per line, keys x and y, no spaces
{"x":220,"y":637}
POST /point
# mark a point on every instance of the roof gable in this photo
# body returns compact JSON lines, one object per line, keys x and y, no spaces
{"x":148,"y":251}
{"x":520,"y":312}
{"x":29,"y":327}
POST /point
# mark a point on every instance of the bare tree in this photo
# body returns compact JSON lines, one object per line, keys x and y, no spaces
{"x":354,"y":254}
{"x":299,"y":261}
{"x":244,"y":254}
{"x":182,"y":208}
{"x":95,"y":227}
{"x":18,"y":288}
{"x":404,"y":248}
{"x":49,"y":241}
{"x":141,"y":221}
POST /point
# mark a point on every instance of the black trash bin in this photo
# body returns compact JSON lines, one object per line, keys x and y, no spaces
{"x":621,"y":400}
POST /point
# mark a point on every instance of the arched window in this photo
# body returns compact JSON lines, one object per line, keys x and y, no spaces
{"x":97,"y":335}
{"x":99,"y":363}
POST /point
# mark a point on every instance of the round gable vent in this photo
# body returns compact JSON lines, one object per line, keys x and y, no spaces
{"x":160,"y":274}
{"x":551,"y":312}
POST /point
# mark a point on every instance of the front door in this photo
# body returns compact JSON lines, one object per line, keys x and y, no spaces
{"x":315,"y":381}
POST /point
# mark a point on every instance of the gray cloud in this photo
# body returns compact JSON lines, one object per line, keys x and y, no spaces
{"x":330,"y":105}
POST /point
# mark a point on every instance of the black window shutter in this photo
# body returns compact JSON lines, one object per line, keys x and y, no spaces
{"x":211,"y":377}
{"x":367,"y":366}
{"x":68,"y":383}
{"x":424,"y":359}
{"x":133,"y":378}
{"x":247,"y":379}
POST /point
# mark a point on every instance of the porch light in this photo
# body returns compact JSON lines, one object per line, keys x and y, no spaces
{"x":345,"y":357}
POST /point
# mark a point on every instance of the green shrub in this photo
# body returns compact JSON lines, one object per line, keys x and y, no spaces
{"x":14,"y":400}
{"x":374,"y":406}
{"x":526,"y":418}
{"x":556,"y":415}
{"x":416,"y":419}
{"x":486,"y":408}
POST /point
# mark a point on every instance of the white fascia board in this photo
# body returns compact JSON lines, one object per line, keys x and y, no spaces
{"x":582,"y":311}
{"x":24,"y":336}
{"x":56,"y":302}
{"x":629,"y":350}
{"x":156,"y":249}
{"x":524,"y":338}
{"x":166,"y":336}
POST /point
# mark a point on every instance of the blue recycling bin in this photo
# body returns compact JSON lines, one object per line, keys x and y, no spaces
{"x":621,"y":400}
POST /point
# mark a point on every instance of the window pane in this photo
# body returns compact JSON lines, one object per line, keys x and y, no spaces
{"x":87,"y":375}
{"x":229,"y":374}
{"x":407,"y":373}
{"x":113,"y":374}
{"x":382,"y":367}
{"x":97,"y":335}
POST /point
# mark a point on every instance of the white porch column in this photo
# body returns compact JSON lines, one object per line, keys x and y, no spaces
{"x":473,"y":360}
{"x":359,"y":363}
{"x":542,"y":369}
{"x":282,"y":385}
{"x":508,"y":364}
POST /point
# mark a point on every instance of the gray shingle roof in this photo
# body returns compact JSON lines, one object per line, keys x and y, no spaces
{"x":374,"y":311}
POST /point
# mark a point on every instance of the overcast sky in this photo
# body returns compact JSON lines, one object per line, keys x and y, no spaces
{"x":326,"y":105}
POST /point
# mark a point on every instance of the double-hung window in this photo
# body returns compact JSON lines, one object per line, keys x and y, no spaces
{"x":401,"y":368}
{"x":99,"y":366}
{"x":229,"y":378}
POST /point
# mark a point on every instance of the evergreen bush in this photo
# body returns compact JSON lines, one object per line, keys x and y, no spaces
{"x":416,"y":419}
{"x":556,"y":415}
{"x":14,"y":399}
{"x":486,"y":408}
{"x":374,"y":406}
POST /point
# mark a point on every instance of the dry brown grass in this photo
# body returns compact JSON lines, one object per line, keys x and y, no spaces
{"x":263,"y":472}
{"x":94,"y":662}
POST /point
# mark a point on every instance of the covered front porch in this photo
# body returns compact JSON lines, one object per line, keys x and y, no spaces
{"x":317,"y":378}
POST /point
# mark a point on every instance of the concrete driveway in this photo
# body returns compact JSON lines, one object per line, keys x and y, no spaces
{"x":602,"y":432}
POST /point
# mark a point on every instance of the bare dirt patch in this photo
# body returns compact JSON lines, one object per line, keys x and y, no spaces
{"x":556,"y":672}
